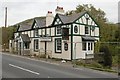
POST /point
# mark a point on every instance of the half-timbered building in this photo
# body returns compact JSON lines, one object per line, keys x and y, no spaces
{"x":61,"y":36}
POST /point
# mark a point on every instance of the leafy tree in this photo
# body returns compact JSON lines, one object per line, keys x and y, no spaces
{"x":6,"y":35}
{"x":117,"y":33}
{"x":98,"y":14}
{"x":11,"y":30}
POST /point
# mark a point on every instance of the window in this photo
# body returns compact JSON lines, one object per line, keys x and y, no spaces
{"x":58,"y":45}
{"x":89,"y":46}
{"x":86,"y":30}
{"x":36,"y":32}
{"x":84,"y":45}
{"x":36,"y":44}
{"x":59,"y":30}
{"x":75,"y":29}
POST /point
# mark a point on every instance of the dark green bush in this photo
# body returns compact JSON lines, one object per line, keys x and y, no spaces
{"x":107,"y":56}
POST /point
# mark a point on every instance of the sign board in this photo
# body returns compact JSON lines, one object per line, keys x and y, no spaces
{"x":45,"y":39}
{"x":65,"y":46}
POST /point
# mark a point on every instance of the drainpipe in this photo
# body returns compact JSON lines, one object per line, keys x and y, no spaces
{"x":45,"y":44}
{"x":71,"y":42}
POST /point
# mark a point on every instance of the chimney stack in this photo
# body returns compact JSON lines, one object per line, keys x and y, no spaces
{"x":49,"y":18}
{"x":59,"y":10}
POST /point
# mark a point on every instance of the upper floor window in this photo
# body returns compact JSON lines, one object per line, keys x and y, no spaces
{"x":75,"y":29}
{"x":36,"y":32}
{"x":86,"y":30}
{"x":59,"y":30}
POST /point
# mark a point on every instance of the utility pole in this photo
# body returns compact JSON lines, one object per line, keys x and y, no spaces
{"x":5,"y":17}
{"x":5,"y":32}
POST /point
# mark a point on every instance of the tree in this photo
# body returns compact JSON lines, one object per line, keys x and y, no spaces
{"x":97,"y":14}
{"x":117,"y":33}
{"x":11,"y":30}
{"x":106,"y":55}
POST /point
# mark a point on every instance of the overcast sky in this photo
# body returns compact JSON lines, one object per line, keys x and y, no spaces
{"x":20,"y":10}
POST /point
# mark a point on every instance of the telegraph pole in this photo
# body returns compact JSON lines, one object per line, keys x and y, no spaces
{"x":5,"y":32}
{"x":5,"y":17}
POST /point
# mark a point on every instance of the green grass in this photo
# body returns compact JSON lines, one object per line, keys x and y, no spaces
{"x":94,"y":65}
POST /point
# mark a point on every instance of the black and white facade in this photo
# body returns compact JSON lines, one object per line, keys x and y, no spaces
{"x":65,"y":37}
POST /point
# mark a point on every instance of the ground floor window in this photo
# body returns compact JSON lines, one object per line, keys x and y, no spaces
{"x":87,"y":46}
{"x":36,"y":45}
{"x":58,"y":45}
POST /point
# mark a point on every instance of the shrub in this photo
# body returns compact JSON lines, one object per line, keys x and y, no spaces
{"x":107,"y":56}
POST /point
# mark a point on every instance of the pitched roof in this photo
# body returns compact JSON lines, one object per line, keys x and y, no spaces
{"x":23,"y":27}
{"x":27,"y":25}
{"x":25,"y":37}
{"x":70,"y":18}
{"x":41,"y":21}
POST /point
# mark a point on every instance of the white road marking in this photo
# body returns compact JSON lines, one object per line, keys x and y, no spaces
{"x":24,"y":69}
{"x":49,"y":77}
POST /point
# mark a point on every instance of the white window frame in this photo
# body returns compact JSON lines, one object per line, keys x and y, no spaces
{"x":60,"y":30}
{"x":89,"y":46}
{"x":36,"y":32}
{"x":58,"y":44}
{"x":36,"y":44}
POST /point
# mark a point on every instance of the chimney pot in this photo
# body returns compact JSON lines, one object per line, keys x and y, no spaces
{"x":59,"y":10}
{"x":50,"y":12}
{"x":61,"y":7}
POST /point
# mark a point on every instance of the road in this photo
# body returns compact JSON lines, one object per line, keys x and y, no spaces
{"x":20,"y":67}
